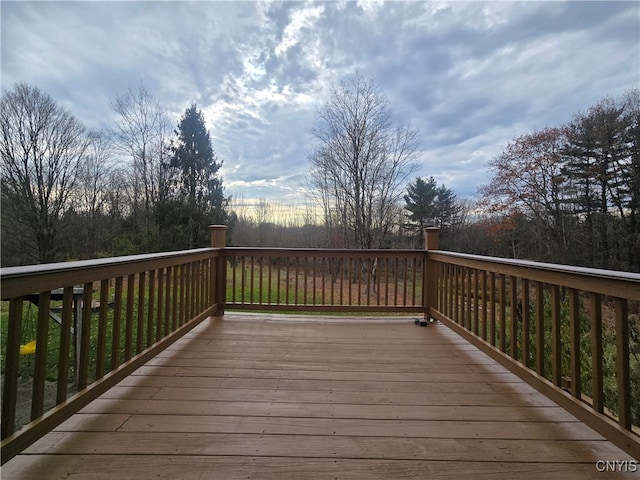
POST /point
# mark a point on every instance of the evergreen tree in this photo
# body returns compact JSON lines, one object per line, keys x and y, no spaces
{"x":596,"y":164}
{"x":421,"y":201}
{"x":630,"y":193}
{"x":447,"y":207}
{"x":431,"y":204}
{"x":194,"y":195}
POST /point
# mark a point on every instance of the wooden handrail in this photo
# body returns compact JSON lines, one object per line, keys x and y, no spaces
{"x":22,"y":281}
{"x":156,"y":299}
{"x":605,"y":282}
{"x":315,"y":252}
{"x":515,"y":311}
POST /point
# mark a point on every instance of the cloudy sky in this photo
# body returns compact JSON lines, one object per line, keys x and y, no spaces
{"x":470,"y":76}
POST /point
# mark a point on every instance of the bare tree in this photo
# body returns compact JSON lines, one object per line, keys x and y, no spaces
{"x":361,"y":163}
{"x":42,"y":146}
{"x":263,"y":211}
{"x":92,"y":192}
{"x":528,"y":183}
{"x":263,"y":215}
{"x":141,"y":132}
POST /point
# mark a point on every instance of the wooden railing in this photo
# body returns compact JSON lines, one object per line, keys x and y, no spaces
{"x":570,"y":332}
{"x":559,"y":328}
{"x":320,"y":280}
{"x":126,"y":310}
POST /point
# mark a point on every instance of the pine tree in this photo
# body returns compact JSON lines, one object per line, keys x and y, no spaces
{"x":596,"y":163}
{"x":195,"y":197}
{"x":421,"y":201}
{"x":431,"y":204}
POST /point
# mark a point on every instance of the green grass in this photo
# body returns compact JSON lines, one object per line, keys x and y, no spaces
{"x":29,"y":330}
{"x":277,"y":294}
{"x":285,"y":289}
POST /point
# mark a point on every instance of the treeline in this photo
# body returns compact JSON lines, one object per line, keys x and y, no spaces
{"x":135,"y":186}
{"x":264,"y":224}
{"x":570,"y":194}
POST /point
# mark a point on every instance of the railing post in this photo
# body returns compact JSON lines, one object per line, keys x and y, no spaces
{"x":430,"y":282}
{"x":219,"y":273}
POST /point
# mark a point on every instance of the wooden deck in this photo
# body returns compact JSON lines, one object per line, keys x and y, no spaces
{"x":261,"y":397}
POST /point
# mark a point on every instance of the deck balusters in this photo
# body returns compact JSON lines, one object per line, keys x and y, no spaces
{"x":496,"y":302}
{"x":12,"y":367}
{"x":104,"y":324}
{"x":556,"y":358}
{"x":186,"y":275}
{"x":140,"y":318}
{"x":474,"y":301}
{"x":483,"y":304}
{"x":101,"y":346}
{"x":513,"y":317}
{"x":85,"y":336}
{"x":529,"y":307}
{"x":40,"y":363}
{"x":160,"y":304}
{"x":129,"y":318}
{"x":151,"y":302}
{"x":117,"y":322}
{"x":595,"y":317}
{"x":65,"y":345}
{"x":574,"y":335}
{"x":524,"y":311}
{"x":502,"y":307}
{"x":175,"y":297}
{"x":539,"y":310}
{"x":493,"y":307}
{"x":369,"y":281}
{"x":622,"y":363}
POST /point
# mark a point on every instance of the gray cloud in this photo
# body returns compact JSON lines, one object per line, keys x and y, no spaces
{"x":469,"y":75}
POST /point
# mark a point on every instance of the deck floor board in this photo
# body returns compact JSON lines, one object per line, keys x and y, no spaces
{"x":270,"y":397}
